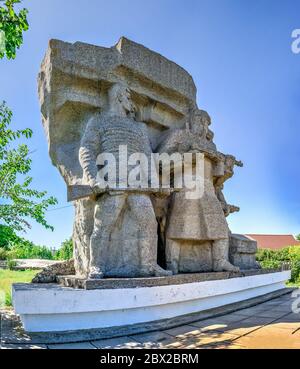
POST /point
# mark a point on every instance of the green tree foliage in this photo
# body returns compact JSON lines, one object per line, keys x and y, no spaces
{"x":12,"y":24}
{"x":275,"y":258}
{"x":7,"y":237}
{"x":3,"y":253}
{"x":298,"y":237}
{"x":13,"y":246}
{"x":66,"y":250}
{"x":18,"y":201}
{"x":24,"y":249}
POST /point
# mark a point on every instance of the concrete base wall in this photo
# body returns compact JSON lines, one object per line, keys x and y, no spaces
{"x":52,"y":308}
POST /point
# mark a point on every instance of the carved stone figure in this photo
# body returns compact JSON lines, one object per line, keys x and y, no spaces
{"x":229,"y":163}
{"x":105,"y":133}
{"x":197,"y":235}
{"x":94,"y":99}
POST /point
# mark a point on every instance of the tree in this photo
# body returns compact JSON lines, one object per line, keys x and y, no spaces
{"x":12,"y":25}
{"x":298,"y":237}
{"x":66,"y":250}
{"x":18,"y":201}
{"x":7,"y":237}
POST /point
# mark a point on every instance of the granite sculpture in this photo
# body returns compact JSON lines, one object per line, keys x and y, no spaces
{"x":95,"y":100}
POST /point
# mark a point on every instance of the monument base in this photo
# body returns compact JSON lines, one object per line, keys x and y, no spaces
{"x":54,"y":308}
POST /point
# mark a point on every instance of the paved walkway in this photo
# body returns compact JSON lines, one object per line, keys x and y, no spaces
{"x":268,"y":325}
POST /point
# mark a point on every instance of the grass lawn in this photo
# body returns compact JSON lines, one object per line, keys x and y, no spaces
{"x":8,"y":277}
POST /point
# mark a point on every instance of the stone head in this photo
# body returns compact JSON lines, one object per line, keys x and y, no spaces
{"x":200,"y":122}
{"x":119,"y":98}
{"x":229,"y":163}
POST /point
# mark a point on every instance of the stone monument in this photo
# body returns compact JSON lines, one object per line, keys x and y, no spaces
{"x":95,"y":100}
{"x":113,"y":118}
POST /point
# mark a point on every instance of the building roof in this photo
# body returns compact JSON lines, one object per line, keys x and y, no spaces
{"x":269,"y":241}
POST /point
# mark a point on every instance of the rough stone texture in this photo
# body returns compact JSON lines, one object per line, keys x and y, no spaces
{"x":94,"y":99}
{"x":242,"y":252}
{"x":49,"y":274}
{"x":112,"y":283}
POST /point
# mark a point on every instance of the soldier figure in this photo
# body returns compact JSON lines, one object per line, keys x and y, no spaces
{"x":191,"y":220}
{"x":105,"y":132}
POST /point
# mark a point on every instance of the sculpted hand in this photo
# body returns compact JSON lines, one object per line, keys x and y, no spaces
{"x":163,"y":193}
{"x":96,"y":188}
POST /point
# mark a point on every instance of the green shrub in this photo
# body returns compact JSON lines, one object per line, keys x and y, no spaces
{"x":275,"y":258}
{"x":15,"y":247}
{"x":28,"y":250}
{"x":7,"y":237}
{"x":66,"y":251}
{"x":11,"y":264}
{"x":3,"y":254}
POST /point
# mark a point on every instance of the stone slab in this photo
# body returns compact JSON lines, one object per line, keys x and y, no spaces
{"x":95,"y":63}
{"x":113,"y":283}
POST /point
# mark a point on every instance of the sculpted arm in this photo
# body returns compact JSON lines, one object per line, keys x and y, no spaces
{"x":172,"y":142}
{"x":89,"y":150}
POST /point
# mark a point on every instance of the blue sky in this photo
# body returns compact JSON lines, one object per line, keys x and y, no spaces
{"x":239,"y":53}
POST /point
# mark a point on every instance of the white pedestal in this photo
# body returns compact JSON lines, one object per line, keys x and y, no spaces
{"x":52,"y":308}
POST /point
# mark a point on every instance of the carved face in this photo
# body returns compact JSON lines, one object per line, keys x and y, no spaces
{"x":125,"y":100}
{"x":200,"y":123}
{"x":120,"y":95}
{"x":229,"y":163}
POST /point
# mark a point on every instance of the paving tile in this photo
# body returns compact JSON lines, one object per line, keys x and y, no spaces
{"x":292,"y":326}
{"x":282,"y":308}
{"x":257,"y":321}
{"x":235,"y":347}
{"x":286,"y":297}
{"x":247,"y":312}
{"x":183,"y":331}
{"x":296,"y":334}
{"x":288,"y":302}
{"x":223,"y":346}
{"x":239,"y":329}
{"x":72,"y":346}
{"x":117,"y":343}
{"x":174,"y":345}
{"x":223,"y":320}
{"x":191,"y":346}
{"x":160,"y":338}
{"x":211,"y":338}
{"x":271,"y":314}
{"x":292,"y":318}
{"x":205,"y":326}
{"x":269,"y":339}
{"x":273,"y":302}
{"x":233,"y":317}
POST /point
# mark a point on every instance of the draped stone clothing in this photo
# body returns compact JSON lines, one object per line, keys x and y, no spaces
{"x":198,"y":219}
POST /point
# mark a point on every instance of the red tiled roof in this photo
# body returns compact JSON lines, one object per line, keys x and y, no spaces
{"x":268,"y":241}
